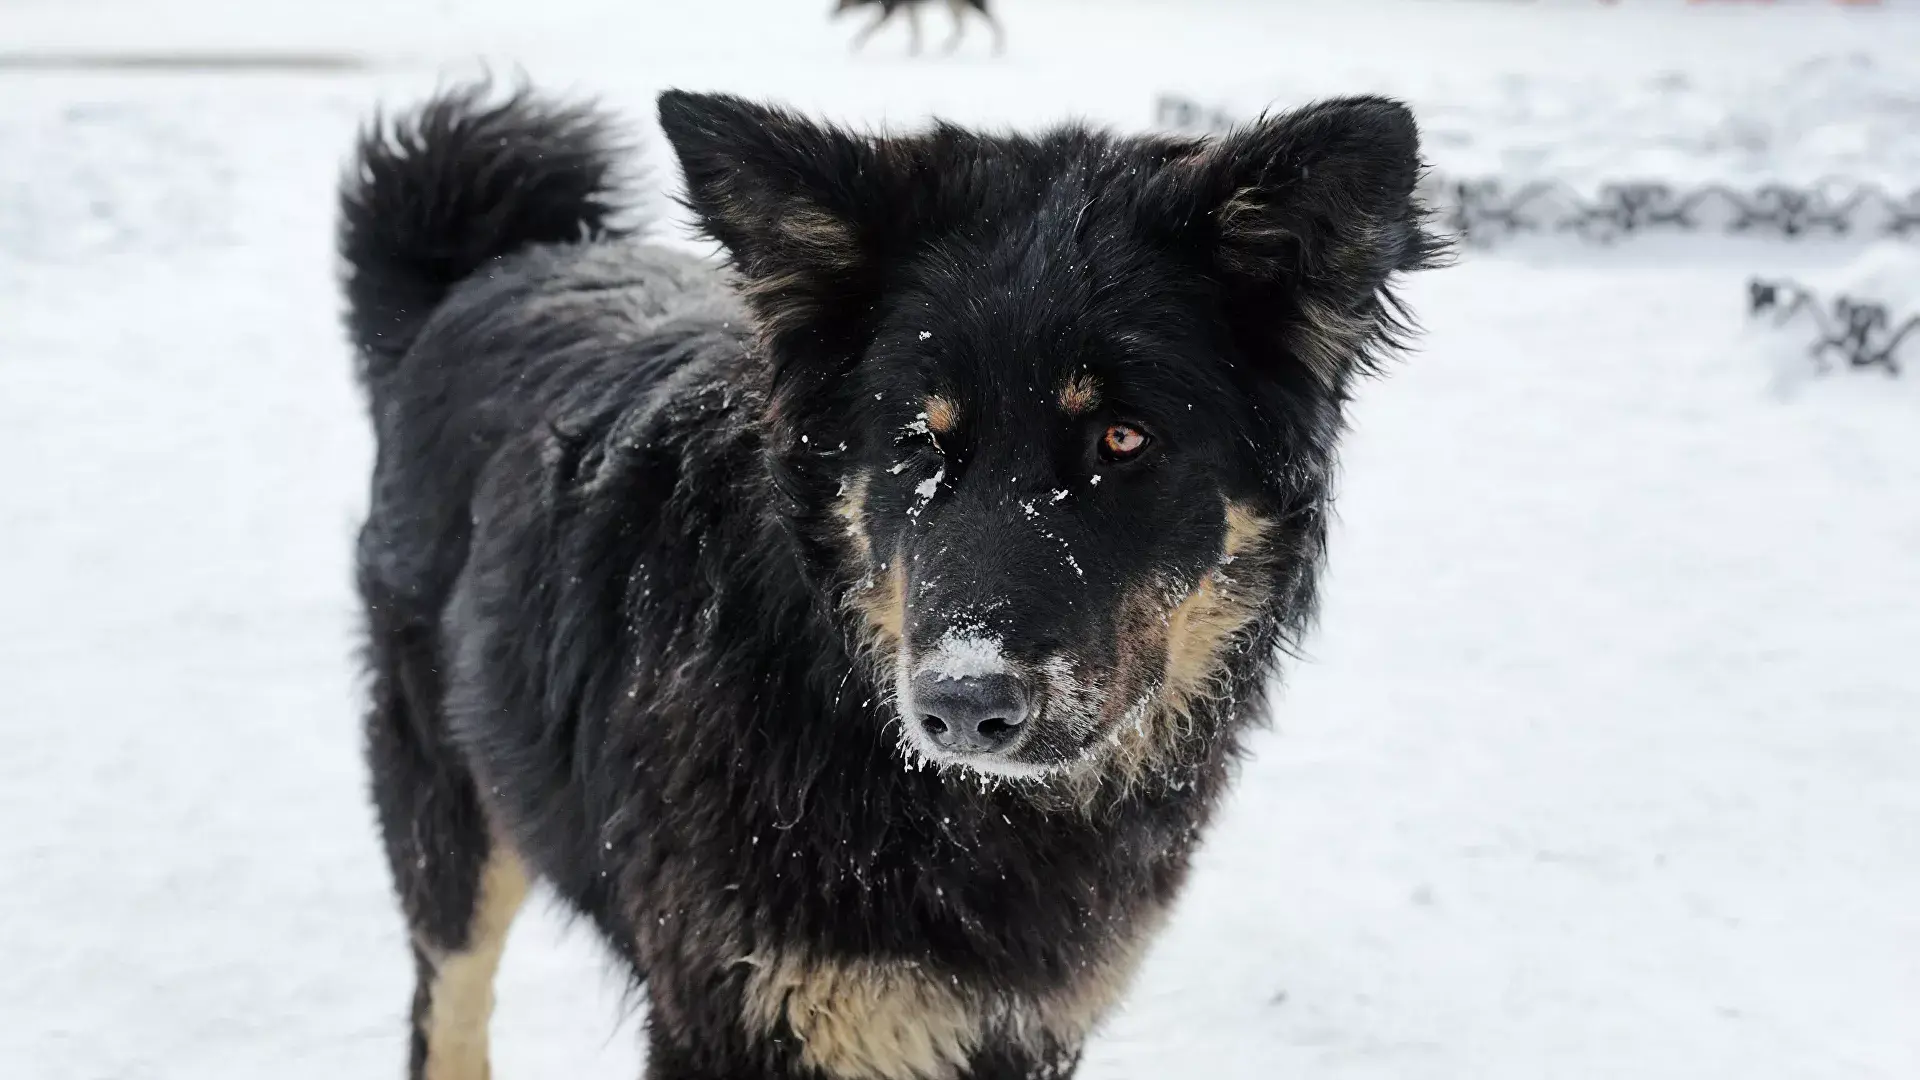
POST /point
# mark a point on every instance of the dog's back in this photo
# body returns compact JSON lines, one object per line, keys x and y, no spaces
{"x":479,"y":277}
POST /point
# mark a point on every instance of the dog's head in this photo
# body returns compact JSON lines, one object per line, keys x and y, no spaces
{"x":1053,"y":417}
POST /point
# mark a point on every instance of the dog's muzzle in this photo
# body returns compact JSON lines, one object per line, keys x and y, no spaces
{"x":970,"y":715}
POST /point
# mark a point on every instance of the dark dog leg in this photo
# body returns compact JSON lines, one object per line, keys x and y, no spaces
{"x":458,"y":886}
{"x":999,"y":33}
{"x":871,"y":29}
{"x":958,"y":9}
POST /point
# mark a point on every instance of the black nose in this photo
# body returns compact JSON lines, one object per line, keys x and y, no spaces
{"x":972,"y":714}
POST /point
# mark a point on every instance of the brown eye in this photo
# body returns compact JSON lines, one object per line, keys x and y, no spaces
{"x":1121,"y":442}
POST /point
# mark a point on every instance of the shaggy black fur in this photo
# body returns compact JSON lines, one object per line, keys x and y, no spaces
{"x":655,"y":554}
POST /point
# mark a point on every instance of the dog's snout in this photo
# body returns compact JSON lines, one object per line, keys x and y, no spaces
{"x":970,"y":714}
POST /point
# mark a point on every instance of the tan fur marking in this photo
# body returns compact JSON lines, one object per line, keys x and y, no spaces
{"x":851,"y":508}
{"x":1079,"y":394}
{"x":819,"y":237}
{"x":814,"y":245}
{"x":880,"y":599}
{"x":1327,"y":341}
{"x":1174,"y":655}
{"x":1144,"y":727}
{"x":864,"y":1019}
{"x":1224,"y":602}
{"x":461,"y":996}
{"x":942,"y":415}
{"x":1171,"y":654}
{"x":781,"y":301}
{"x":884,"y":604}
{"x":1246,"y":225}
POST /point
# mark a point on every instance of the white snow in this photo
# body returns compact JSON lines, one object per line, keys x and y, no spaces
{"x":919,"y":425}
{"x":1602,"y":764}
{"x":963,"y":654}
{"x":923,"y":492}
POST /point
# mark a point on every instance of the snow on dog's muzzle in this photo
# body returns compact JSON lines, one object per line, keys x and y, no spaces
{"x":965,"y":703}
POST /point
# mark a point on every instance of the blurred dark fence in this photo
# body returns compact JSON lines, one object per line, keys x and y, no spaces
{"x":1484,"y":212}
{"x":1858,"y":332}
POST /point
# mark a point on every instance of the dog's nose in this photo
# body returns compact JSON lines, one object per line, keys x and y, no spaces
{"x":971,"y":714}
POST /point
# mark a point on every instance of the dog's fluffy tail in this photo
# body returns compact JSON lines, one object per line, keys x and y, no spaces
{"x":432,"y":196}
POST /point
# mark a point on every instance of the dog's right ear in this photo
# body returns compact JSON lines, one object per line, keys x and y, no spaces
{"x":1308,"y":218}
{"x":786,"y":197}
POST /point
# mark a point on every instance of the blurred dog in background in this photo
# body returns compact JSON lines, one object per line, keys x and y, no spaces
{"x":890,"y":8}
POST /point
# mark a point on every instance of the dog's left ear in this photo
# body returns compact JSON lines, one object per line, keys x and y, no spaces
{"x":784,"y":196}
{"x":1308,"y":216}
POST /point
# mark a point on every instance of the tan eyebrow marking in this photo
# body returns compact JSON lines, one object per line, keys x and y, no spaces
{"x":1079,"y":394}
{"x":942,"y":414}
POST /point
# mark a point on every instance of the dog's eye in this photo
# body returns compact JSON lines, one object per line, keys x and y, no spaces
{"x":1122,"y":442}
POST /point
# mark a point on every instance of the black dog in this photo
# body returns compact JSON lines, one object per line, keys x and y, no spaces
{"x":862,"y":639}
{"x":890,"y":8}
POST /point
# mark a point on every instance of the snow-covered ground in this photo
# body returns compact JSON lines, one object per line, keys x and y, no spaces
{"x":1606,"y":762}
